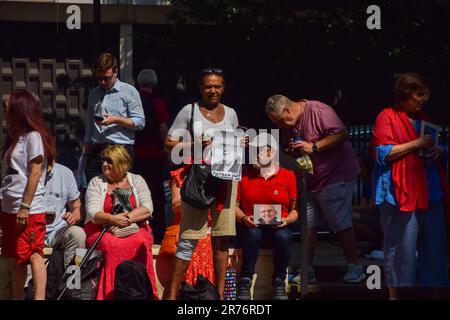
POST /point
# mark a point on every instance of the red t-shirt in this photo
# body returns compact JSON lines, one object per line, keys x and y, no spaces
{"x":281,"y":188}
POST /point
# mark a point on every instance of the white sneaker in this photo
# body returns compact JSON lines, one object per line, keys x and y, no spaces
{"x":311,"y":277}
{"x":355,"y":274}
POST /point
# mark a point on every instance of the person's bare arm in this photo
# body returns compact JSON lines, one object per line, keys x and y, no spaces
{"x":169,"y":144}
{"x":119,"y":220}
{"x":403,"y":149}
{"x":244,"y":219}
{"x":291,"y":217}
{"x":138,"y":215}
{"x":329,"y":142}
{"x":34,"y":174}
{"x":74,"y":215}
{"x":176,"y":198}
{"x":332,"y":141}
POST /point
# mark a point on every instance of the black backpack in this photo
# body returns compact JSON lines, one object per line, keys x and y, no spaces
{"x":132,"y":282}
{"x":90,"y":275}
{"x":203,"y":290}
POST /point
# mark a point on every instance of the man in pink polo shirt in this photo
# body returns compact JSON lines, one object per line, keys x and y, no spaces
{"x":314,"y":129}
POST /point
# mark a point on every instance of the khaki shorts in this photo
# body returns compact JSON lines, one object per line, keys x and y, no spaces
{"x":194,"y":222}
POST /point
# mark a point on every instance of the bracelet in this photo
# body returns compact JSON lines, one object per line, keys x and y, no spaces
{"x":24,"y":205}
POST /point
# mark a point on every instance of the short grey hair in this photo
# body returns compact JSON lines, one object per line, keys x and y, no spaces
{"x":277,"y":103}
{"x":147,"y":78}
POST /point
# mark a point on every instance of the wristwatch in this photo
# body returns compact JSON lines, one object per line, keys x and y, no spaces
{"x":315,"y":149}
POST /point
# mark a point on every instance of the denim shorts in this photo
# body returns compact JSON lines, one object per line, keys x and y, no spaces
{"x":332,"y":204}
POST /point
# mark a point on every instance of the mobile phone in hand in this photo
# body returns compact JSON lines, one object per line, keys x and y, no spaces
{"x":98,"y":118}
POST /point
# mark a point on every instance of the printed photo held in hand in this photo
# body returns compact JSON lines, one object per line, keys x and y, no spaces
{"x":267,"y":214}
{"x":227,"y":156}
{"x":221,"y":147}
{"x":431,"y":129}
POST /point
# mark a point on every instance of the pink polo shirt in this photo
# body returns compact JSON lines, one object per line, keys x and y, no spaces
{"x":317,"y":121}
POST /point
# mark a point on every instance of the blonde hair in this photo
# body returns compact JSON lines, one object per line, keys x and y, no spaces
{"x":120,"y":158}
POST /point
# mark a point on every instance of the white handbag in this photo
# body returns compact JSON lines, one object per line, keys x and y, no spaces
{"x":126,"y":231}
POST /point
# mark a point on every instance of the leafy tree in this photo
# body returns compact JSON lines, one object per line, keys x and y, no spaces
{"x":310,"y":49}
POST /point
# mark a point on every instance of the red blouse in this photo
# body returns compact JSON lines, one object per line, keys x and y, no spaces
{"x":108,"y":204}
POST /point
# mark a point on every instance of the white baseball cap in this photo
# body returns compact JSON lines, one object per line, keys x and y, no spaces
{"x":265,"y":139}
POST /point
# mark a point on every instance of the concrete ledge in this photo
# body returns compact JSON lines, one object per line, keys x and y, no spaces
{"x":261,"y":287}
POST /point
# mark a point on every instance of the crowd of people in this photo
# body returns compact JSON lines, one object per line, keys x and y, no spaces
{"x":121,"y":212}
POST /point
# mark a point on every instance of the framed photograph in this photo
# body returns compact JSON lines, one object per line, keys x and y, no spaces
{"x":267,"y":214}
{"x":431,"y":129}
{"x":227,"y":156}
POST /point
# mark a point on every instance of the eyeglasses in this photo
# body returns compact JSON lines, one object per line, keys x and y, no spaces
{"x":107,"y":160}
{"x":106,"y":79}
{"x":212,"y":70}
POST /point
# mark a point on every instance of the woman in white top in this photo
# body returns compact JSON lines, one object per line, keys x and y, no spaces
{"x":209,"y":115}
{"x":29,"y":147}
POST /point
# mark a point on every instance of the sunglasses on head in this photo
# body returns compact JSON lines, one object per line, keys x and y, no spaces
{"x":107,"y":160}
{"x":212,"y":70}
{"x":104,"y":78}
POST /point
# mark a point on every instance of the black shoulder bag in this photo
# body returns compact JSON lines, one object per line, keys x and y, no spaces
{"x":199,"y":186}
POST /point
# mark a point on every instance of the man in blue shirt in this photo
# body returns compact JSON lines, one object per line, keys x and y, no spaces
{"x":61,"y":192}
{"x":114,"y":114}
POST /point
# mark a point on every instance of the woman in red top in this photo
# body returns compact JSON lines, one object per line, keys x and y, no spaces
{"x":412,"y":191}
{"x":263,"y":185}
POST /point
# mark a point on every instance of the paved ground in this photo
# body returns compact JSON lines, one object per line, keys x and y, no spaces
{"x":330,"y":266}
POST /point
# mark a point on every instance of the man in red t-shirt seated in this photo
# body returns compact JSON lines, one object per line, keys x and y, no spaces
{"x":266,"y":183}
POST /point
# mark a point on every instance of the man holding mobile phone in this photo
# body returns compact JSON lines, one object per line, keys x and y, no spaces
{"x":114,"y":114}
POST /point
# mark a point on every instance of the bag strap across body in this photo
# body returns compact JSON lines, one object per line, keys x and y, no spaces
{"x":191,"y":130}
